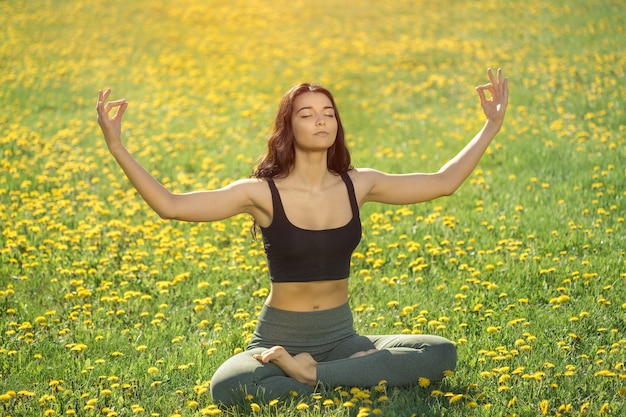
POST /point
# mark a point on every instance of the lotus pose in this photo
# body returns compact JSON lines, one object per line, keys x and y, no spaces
{"x":305,"y":198}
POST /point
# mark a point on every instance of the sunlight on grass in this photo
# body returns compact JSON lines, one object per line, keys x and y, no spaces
{"x":108,"y":310}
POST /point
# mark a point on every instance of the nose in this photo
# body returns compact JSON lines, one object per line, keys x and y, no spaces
{"x":320,"y":121}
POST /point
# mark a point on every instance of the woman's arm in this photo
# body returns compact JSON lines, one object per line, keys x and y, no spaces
{"x":419,"y":187}
{"x":197,"y":206}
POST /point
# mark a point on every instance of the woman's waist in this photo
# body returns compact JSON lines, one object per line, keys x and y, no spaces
{"x":308,"y":296}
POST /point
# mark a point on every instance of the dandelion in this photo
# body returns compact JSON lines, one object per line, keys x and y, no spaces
{"x":543,"y":407}
{"x":211,"y":410}
{"x":302,"y":406}
{"x":424,"y":382}
{"x":255,"y":407}
{"x":455,"y":398}
{"x":6,"y":397}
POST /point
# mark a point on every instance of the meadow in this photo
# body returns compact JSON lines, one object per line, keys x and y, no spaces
{"x":107,"y":310}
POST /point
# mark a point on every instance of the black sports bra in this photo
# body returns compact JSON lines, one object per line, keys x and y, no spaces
{"x":301,"y":255}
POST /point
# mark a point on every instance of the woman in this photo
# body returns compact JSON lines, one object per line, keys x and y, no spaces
{"x":305,"y":198}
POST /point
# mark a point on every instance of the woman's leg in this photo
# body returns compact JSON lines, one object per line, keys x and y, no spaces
{"x":243,"y":375}
{"x":400,"y":360}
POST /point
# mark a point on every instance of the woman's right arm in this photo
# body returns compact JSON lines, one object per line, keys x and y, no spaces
{"x":239,"y":197}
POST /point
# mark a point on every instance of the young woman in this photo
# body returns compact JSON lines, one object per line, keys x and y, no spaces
{"x":305,"y":197}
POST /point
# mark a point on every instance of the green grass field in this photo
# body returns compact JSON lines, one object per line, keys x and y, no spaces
{"x":107,"y":310}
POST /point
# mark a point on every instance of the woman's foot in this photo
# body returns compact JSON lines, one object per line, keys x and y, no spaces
{"x":301,"y":367}
{"x":363,"y":353}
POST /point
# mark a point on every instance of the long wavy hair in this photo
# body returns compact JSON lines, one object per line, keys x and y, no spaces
{"x":281,"y":154}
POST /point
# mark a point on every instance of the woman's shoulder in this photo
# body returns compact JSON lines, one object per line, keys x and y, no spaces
{"x":364,"y":174}
{"x":363,"y":180}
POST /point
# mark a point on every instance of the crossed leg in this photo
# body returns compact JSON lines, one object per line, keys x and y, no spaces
{"x":301,"y":367}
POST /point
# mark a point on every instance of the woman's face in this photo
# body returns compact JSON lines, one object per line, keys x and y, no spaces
{"x":313,"y":121}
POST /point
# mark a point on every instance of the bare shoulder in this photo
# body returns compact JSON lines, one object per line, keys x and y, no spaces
{"x":364,"y":180}
{"x":257,"y":193}
{"x":365,"y":176}
{"x":255,"y":189}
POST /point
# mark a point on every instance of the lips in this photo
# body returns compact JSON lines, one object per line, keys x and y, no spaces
{"x":321,"y":133}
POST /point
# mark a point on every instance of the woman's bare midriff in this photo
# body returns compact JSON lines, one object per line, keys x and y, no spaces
{"x":308,"y":296}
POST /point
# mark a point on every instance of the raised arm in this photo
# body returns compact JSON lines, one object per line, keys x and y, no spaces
{"x":419,"y":187}
{"x":239,"y":197}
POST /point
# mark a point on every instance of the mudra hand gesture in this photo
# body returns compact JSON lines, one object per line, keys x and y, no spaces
{"x":111,"y":125}
{"x":494,"y":107}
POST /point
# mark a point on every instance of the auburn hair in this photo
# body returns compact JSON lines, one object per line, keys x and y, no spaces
{"x":280,"y":155}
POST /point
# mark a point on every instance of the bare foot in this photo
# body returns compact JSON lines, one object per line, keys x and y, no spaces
{"x":363,"y":353}
{"x":302,"y":367}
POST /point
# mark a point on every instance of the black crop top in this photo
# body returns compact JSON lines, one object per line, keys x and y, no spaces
{"x":301,"y":255}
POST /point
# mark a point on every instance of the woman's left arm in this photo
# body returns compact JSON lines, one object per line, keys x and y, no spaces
{"x":419,"y":187}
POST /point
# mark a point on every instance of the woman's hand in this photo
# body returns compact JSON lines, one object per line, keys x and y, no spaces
{"x":111,"y":126}
{"x":494,"y":107}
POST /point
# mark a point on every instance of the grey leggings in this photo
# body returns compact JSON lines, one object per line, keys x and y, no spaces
{"x":329,"y":336}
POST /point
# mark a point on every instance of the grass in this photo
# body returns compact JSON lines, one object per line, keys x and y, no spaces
{"x":107,"y":310}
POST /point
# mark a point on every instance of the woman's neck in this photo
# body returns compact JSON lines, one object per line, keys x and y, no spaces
{"x":310,"y":171}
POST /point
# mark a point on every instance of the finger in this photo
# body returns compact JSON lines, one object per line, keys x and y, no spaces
{"x":100,"y":99}
{"x":501,"y":83}
{"x":105,"y":94}
{"x":112,"y":104}
{"x":481,"y":91}
{"x":102,"y":96}
{"x":490,"y":75}
{"x":121,"y":110}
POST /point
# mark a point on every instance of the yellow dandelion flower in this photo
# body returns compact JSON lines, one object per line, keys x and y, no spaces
{"x":302,"y":406}
{"x":153,"y":370}
{"x":255,"y":407}
{"x":455,"y":398}
{"x":543,"y":407}
{"x":583,"y":408}
{"x":512,"y":402}
{"x":424,"y":382}
{"x":211,"y":410}
{"x":328,"y":403}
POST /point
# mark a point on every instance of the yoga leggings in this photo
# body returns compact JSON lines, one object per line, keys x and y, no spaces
{"x":329,"y":336}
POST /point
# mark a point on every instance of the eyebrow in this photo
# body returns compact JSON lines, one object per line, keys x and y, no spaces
{"x":311,"y":108}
